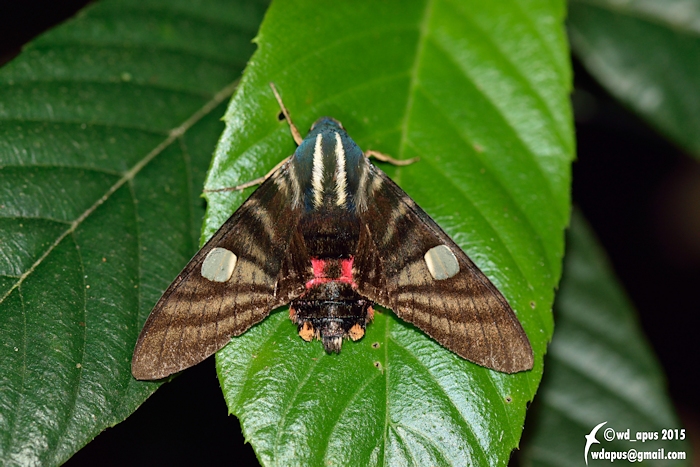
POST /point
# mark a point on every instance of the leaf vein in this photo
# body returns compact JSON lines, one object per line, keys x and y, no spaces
{"x":340,"y":411}
{"x":504,"y":119}
{"x":19,"y":407}
{"x":425,"y":438}
{"x":444,"y":392}
{"x":413,"y":77}
{"x":70,"y":408}
{"x":504,"y":57}
{"x":172,"y":136}
{"x":290,"y":403}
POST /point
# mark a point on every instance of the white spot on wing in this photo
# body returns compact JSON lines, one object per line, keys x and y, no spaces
{"x":317,"y":172}
{"x":218,"y":265}
{"x":340,"y":172}
{"x":441,"y":262}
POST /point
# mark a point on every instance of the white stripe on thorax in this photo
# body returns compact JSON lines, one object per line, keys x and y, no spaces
{"x":340,"y":172}
{"x":317,"y":173}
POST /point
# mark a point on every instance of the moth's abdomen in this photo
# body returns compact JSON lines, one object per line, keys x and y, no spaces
{"x":331,"y":309}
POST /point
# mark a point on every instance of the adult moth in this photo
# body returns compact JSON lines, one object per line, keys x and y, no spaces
{"x":331,"y":235}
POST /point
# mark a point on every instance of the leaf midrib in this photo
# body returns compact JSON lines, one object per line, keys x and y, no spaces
{"x":173,"y":135}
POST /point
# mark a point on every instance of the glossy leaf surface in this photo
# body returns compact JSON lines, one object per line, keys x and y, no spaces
{"x":107,"y":125}
{"x":647,"y":54}
{"x":480,"y":93}
{"x":600,"y":368}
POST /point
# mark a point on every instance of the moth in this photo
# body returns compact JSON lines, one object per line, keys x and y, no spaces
{"x":331,"y":235}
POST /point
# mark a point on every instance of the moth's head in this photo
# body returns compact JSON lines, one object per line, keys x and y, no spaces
{"x":326,"y":123}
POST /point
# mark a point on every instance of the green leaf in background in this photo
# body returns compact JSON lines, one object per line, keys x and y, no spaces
{"x":647,"y":54}
{"x":599,"y":369}
{"x":477,"y":90}
{"x":107,"y":124}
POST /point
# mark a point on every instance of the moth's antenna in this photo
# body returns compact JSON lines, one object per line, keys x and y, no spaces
{"x":257,"y":181}
{"x":384,"y":158}
{"x":295,"y":133}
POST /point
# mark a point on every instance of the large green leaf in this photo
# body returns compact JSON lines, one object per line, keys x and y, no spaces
{"x":599,"y":369}
{"x":107,"y":126}
{"x":647,"y":54}
{"x":477,"y":90}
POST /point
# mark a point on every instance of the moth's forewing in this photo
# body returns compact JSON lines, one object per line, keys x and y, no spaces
{"x":464,"y":312}
{"x":197,"y":315}
{"x":330,"y":205}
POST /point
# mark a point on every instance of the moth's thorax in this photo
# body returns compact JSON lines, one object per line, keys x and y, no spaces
{"x":330,"y":233}
{"x":330,"y":169}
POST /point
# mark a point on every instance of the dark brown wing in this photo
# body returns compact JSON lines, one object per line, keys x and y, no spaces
{"x":196,"y":316}
{"x":465,"y":313}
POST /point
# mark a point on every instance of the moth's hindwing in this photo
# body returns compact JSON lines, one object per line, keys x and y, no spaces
{"x":407,"y":263}
{"x":232,"y":283}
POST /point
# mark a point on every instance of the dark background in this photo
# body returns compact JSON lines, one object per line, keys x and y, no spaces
{"x":640,"y":193}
